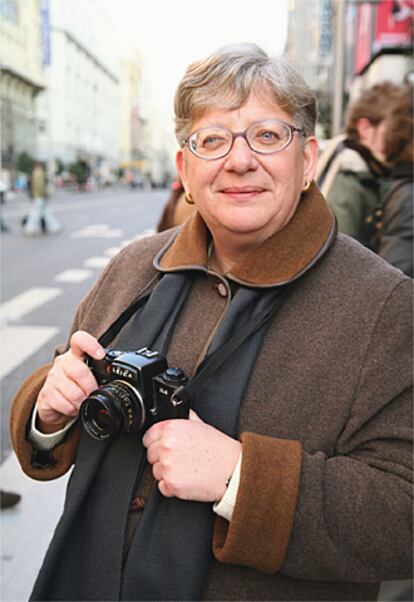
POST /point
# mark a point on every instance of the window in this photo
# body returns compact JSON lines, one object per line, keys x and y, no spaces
{"x":9,"y":10}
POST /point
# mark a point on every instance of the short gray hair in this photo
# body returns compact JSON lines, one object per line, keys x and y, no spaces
{"x":226,"y":79}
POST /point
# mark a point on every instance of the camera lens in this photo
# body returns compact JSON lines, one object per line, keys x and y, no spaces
{"x":112,"y":410}
{"x":100,"y":415}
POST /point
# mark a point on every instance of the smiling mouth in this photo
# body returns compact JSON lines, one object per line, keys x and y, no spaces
{"x":242,"y":191}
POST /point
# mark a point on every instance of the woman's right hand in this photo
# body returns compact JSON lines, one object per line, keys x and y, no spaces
{"x":68,"y":383}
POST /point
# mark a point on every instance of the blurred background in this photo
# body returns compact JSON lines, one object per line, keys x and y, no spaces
{"x":87,"y":87}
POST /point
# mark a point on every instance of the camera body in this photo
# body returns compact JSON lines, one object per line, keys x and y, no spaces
{"x":136,"y":389}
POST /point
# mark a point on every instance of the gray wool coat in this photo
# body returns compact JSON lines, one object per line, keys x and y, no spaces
{"x":324,"y":508}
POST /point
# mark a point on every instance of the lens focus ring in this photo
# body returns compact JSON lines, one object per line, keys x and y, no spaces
{"x":114,"y":409}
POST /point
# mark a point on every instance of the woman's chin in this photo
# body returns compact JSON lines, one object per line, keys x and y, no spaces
{"x":244,"y":222}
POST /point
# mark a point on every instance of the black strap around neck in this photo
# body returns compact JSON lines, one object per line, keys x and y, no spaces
{"x":212,"y":362}
{"x":115,"y":328}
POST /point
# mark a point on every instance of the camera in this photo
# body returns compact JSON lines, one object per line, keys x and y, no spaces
{"x":136,"y":389}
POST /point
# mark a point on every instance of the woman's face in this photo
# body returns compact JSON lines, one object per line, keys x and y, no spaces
{"x":246,"y":193}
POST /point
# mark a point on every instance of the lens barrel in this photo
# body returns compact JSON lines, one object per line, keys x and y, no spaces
{"x":114,"y":409}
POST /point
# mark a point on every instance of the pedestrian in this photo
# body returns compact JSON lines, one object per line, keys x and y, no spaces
{"x":291,"y":479}
{"x":41,"y":219}
{"x":3,"y":190}
{"x":177,"y":208}
{"x":351,"y":166}
{"x":393,"y":220}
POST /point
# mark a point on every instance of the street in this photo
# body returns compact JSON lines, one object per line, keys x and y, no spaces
{"x":42,"y":281}
{"x":44,"y":278}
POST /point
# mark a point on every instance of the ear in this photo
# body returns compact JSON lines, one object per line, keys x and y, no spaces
{"x":180,"y":165}
{"x":311,"y":158}
{"x":363,"y":126}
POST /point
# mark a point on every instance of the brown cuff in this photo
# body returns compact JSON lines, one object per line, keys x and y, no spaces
{"x":259,"y":531}
{"x":20,"y":414}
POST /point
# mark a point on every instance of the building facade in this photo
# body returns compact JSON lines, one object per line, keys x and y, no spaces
{"x":71,"y":92}
{"x":79,"y":106}
{"x":310,"y":47}
{"x":21,"y":78}
{"x":344,"y":46}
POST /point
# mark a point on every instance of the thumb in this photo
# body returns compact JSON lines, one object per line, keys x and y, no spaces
{"x":194,"y":416}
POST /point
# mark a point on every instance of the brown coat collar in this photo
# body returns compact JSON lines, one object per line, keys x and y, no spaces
{"x":281,"y":258}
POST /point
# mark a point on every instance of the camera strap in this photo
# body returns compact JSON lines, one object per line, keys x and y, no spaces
{"x":212,"y":362}
{"x":114,"y":329}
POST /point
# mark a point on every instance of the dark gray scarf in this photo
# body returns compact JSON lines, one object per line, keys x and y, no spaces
{"x":170,"y":551}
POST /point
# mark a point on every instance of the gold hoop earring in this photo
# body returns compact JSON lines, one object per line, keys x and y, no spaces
{"x":189,"y":198}
{"x":307,"y":186}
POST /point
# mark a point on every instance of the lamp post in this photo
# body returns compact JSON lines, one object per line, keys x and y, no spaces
{"x":338,"y":95}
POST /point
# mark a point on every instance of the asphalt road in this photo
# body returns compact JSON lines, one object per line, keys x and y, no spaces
{"x":44,"y":278}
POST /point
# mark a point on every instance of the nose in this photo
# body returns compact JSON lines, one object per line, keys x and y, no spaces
{"x":241,"y":158}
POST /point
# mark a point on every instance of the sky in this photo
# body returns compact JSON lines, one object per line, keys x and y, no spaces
{"x":171,"y":34}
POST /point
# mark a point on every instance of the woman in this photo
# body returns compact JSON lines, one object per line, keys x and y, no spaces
{"x":290,"y":480}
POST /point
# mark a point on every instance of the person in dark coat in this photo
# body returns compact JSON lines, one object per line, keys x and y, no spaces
{"x":177,"y":208}
{"x":395,"y":219}
{"x":351,"y":167}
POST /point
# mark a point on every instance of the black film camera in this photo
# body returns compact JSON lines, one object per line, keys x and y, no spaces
{"x":136,"y":390}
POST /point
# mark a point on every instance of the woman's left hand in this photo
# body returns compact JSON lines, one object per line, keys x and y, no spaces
{"x":190,"y":459}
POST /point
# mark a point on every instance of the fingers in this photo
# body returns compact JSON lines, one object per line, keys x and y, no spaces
{"x":82,"y":343}
{"x":70,"y":374}
{"x":154,"y":433}
{"x":48,"y":400}
{"x":194,"y":416}
{"x":164,"y":489}
{"x":191,"y":459}
{"x":64,"y":388}
{"x":69,"y":381}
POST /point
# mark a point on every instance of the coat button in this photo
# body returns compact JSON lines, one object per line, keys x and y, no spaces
{"x":137,"y":504}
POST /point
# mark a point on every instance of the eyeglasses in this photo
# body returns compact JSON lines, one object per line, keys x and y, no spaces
{"x":264,"y":137}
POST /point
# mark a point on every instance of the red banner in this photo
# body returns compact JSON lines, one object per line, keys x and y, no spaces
{"x":383,"y":26}
{"x":394,"y":24}
{"x":363,"y":45}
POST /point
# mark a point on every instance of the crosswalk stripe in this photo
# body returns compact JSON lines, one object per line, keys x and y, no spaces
{"x":98,"y":231}
{"x":112,"y":251}
{"x":73,"y":275}
{"x":18,"y":343}
{"x":96,"y":262}
{"x":29,"y":300}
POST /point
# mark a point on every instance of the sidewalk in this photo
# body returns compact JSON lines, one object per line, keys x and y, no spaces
{"x":26,"y":529}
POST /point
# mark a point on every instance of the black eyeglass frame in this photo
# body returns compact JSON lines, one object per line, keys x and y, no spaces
{"x":234,"y":135}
